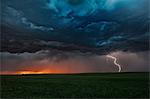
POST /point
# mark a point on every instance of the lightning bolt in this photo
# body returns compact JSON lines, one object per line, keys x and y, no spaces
{"x":115,"y":62}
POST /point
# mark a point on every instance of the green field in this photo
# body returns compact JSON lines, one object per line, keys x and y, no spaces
{"x":99,"y":85}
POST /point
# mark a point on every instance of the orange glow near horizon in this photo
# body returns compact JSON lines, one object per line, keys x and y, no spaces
{"x":42,"y":72}
{"x":36,"y":71}
{"x":47,"y":67}
{"x":33,"y":72}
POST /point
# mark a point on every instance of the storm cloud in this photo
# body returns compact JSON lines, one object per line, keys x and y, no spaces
{"x":90,"y":25}
{"x":75,"y":35}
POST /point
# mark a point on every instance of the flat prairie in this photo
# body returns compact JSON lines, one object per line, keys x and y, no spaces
{"x":88,"y":85}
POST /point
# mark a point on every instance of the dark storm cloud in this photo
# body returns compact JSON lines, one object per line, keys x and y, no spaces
{"x":96,"y":26}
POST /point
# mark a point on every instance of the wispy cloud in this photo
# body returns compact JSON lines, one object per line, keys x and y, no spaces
{"x":13,"y":16}
{"x":33,"y":26}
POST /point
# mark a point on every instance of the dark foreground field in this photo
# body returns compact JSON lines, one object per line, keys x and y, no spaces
{"x":105,"y":85}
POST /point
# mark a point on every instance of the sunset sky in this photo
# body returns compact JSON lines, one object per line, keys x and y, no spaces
{"x":74,"y":36}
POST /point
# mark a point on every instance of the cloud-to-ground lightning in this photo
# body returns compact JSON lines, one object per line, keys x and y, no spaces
{"x":115,"y":62}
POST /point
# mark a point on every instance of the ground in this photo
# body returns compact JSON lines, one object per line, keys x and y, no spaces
{"x":96,"y":85}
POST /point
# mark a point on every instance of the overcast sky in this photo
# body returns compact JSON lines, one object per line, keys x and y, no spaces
{"x":70,"y":36}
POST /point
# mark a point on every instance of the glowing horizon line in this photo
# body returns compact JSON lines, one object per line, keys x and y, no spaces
{"x":115,"y":62}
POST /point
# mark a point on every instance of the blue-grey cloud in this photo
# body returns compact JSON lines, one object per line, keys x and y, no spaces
{"x":97,"y":26}
{"x":15,"y":17}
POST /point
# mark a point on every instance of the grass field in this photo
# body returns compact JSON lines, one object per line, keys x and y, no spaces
{"x":99,"y":85}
